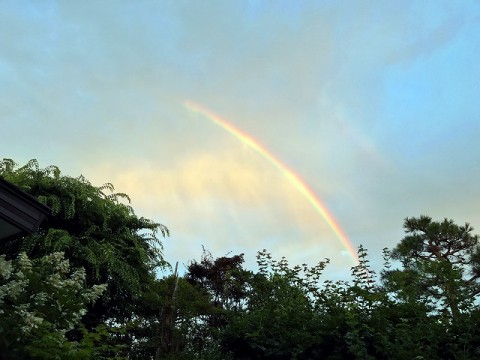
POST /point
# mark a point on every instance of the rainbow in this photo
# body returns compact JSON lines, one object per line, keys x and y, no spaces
{"x":294,"y":179}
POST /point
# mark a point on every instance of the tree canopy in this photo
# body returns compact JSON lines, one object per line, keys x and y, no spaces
{"x":98,"y":232}
{"x":86,"y":286}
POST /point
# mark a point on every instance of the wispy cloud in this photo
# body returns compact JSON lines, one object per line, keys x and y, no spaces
{"x":371,"y":103}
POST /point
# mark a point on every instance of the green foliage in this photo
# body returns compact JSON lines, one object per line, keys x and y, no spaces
{"x":174,"y":321}
{"x":41,"y":301}
{"x":289,"y":313}
{"x":223,"y":278}
{"x":440,"y":261}
{"x":223,"y":282}
{"x":98,"y":232}
{"x":423,"y":306}
{"x":278,"y":321}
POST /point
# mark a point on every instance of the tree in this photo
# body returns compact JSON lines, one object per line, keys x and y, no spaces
{"x":442,"y":263}
{"x":94,"y":243}
{"x":40,"y":302}
{"x":278,"y":320}
{"x":288,"y":313}
{"x":98,"y":231}
{"x":225,"y":283}
{"x":223,"y":278}
{"x":436,"y":289}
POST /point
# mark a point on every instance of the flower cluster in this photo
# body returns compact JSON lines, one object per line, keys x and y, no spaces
{"x":42,"y":295}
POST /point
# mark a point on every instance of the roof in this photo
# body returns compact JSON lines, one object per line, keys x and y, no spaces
{"x":20,"y":213}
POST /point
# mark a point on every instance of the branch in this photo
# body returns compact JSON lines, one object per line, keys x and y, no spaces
{"x":474,"y":277}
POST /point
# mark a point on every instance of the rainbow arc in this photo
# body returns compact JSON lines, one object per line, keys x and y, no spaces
{"x":296,"y":181}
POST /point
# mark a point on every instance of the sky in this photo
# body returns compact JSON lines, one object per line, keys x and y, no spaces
{"x":345,"y":116}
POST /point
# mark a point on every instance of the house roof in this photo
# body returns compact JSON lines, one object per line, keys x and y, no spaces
{"x":20,"y":213}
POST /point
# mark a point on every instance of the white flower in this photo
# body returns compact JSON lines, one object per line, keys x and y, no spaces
{"x":6,"y":268}
{"x":24,"y":262}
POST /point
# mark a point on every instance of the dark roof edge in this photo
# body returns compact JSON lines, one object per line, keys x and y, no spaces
{"x":31,"y":200}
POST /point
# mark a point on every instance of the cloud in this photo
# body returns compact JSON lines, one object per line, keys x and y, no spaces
{"x":228,"y":200}
{"x":429,"y":33}
{"x":97,"y":88}
{"x":235,"y":177}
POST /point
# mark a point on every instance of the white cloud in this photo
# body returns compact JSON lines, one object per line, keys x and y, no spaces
{"x":97,"y":88}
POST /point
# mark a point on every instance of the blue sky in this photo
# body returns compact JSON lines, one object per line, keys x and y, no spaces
{"x":373,"y":104}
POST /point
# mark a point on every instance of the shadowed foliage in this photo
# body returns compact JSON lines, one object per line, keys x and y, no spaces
{"x":85,"y":286}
